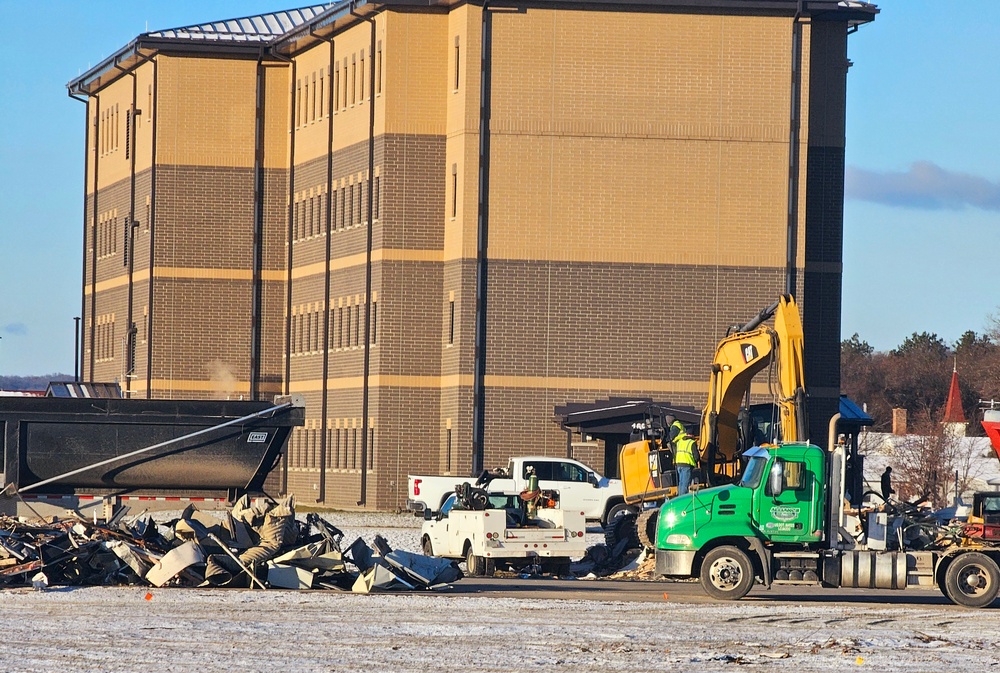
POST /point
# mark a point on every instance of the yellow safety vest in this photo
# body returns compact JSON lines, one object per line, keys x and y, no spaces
{"x":684,"y":447}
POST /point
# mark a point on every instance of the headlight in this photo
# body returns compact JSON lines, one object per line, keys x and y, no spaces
{"x":678,"y":539}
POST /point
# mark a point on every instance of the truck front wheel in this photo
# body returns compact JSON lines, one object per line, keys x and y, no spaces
{"x":727,"y":574}
{"x":972,"y":580}
{"x":427,"y":546}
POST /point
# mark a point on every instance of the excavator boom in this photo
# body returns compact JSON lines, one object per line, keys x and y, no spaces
{"x":740,"y":356}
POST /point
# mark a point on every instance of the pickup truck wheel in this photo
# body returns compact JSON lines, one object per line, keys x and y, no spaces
{"x":972,"y":580}
{"x":479,"y":566}
{"x":427,"y":546}
{"x":616,"y":511}
{"x":727,"y":574}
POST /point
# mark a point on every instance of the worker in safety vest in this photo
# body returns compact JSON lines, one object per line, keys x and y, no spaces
{"x":685,"y":451}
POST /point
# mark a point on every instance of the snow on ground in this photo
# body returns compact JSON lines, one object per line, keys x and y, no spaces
{"x":227,"y":631}
{"x":244,"y":631}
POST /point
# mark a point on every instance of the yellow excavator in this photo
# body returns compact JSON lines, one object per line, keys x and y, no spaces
{"x":728,"y":426}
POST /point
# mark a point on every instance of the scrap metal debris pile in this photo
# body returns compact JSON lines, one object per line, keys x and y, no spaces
{"x":260,"y":545}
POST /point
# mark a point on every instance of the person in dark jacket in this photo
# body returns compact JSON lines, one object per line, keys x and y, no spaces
{"x":887,"y":488}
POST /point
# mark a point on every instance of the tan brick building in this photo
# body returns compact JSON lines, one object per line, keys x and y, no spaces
{"x":297,"y":202}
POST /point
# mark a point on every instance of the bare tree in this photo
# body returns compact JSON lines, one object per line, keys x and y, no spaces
{"x":929,"y":467}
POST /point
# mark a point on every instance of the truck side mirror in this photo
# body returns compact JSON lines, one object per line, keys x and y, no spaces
{"x":776,"y":479}
{"x":592,"y":478}
{"x":428,"y":514}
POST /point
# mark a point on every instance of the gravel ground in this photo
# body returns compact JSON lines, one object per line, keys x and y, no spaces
{"x":244,"y":631}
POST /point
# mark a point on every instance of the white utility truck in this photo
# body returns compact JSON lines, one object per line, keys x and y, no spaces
{"x":505,"y":534}
{"x":579,"y":487}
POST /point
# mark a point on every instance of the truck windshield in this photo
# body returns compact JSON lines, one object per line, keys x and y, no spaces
{"x":754,"y":472}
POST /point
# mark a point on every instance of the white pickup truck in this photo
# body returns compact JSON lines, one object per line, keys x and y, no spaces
{"x":504,"y":535}
{"x":579,"y":487}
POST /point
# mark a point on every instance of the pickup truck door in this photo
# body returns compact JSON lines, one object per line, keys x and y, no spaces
{"x":571,"y":480}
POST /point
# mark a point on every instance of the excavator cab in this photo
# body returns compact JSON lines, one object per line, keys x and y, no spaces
{"x":646,"y":463}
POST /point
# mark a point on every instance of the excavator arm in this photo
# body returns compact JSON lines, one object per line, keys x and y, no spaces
{"x":646,"y":466}
{"x":742,"y":354}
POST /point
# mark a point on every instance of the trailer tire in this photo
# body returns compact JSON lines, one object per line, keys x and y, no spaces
{"x":972,"y":580}
{"x":727,"y":573}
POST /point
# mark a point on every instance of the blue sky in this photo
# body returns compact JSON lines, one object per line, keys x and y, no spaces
{"x":922,"y":217}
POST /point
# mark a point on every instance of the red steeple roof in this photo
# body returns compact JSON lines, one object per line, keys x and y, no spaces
{"x":953,"y":412}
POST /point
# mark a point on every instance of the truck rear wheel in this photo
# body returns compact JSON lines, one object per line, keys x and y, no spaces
{"x":727,"y":574}
{"x":479,"y":566}
{"x":972,"y":580}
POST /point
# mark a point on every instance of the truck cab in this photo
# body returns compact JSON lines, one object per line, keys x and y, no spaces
{"x":781,"y":500}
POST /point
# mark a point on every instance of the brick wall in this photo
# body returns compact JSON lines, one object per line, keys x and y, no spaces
{"x":638,"y":208}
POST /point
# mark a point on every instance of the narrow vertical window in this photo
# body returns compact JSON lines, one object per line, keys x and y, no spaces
{"x":371,"y":448}
{"x":312,"y":105}
{"x":128,"y":133}
{"x":298,"y":103}
{"x":361,"y":217}
{"x":307,"y":108}
{"x":357,"y":325}
{"x":454,"y":190}
{"x":451,"y":321}
{"x":354,"y":448}
{"x":345,"y":83}
{"x":374,"y":323}
{"x":343,"y":208}
{"x":447,"y":450}
{"x":377,"y":198}
{"x":354,"y":80}
{"x":332,"y":329}
{"x":458,"y":60}
{"x":361,"y":78}
{"x":336,"y":90}
{"x":350,"y":205}
{"x":347,"y":341}
{"x":378,"y":69}
{"x":322,"y":76}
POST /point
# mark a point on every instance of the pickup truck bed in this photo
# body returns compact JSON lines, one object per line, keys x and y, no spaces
{"x":579,"y":487}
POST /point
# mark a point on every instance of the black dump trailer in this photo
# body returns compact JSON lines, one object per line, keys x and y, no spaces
{"x":112,"y":447}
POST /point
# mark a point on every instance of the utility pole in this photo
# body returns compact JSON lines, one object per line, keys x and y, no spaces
{"x":76,"y":351}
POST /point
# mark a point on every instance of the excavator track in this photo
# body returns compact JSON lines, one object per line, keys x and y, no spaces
{"x":646,"y":527}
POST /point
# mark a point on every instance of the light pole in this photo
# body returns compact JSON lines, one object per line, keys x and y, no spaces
{"x":76,"y":350}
